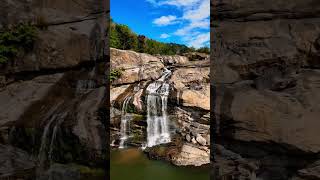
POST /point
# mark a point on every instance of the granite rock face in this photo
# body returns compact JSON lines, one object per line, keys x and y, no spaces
{"x":265,"y":74}
{"x":69,"y":33}
{"x":53,"y":97}
{"x":15,"y":163}
{"x":192,"y":86}
{"x":134,"y":66}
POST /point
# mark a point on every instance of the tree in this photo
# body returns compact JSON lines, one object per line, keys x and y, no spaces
{"x":122,"y":37}
{"x":114,"y":37}
{"x":204,"y":50}
{"x":141,"y":43}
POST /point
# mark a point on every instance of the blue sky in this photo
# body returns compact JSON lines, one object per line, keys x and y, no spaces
{"x":179,"y":21}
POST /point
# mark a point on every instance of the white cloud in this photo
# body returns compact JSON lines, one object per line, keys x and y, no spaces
{"x":165,"y":20}
{"x":200,"y":40}
{"x":205,"y":24}
{"x":164,"y":36}
{"x":198,"y":13}
{"x":153,"y":2}
{"x":197,"y":17}
{"x":194,"y":19}
{"x":179,"y":3}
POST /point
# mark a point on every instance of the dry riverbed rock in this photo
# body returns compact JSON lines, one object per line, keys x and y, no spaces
{"x":192,"y":156}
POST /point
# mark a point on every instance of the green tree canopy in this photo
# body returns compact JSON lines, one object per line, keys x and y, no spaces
{"x":122,"y":37}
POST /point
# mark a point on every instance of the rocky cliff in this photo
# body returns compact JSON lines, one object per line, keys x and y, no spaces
{"x":53,"y":96}
{"x":266,"y":80}
{"x":188,"y":105}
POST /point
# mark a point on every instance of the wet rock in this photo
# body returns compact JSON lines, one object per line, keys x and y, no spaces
{"x":115,"y":92}
{"x":137,"y":102}
{"x":16,"y":163}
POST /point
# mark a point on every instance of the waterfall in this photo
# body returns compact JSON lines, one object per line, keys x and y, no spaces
{"x":84,"y":85}
{"x":157,"y":119}
{"x":45,"y":155}
{"x":125,"y":118}
{"x":42,"y":152}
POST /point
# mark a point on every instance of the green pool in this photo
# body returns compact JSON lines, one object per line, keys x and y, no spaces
{"x":132,"y":164}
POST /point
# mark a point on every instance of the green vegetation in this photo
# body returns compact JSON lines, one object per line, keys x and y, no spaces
{"x":131,"y":109}
{"x":115,"y":74}
{"x":12,"y":40}
{"x":121,"y":37}
{"x":204,"y":50}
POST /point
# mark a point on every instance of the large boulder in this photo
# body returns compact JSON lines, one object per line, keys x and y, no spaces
{"x":289,"y":117}
{"x":192,"y":86}
{"x":135,"y":67}
{"x":192,"y":156}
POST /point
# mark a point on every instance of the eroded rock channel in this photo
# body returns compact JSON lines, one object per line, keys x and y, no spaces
{"x":168,"y":101}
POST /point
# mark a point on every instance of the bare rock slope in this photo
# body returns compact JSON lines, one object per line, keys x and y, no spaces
{"x":266,"y":60}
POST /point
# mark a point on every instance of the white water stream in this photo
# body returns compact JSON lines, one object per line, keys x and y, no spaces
{"x":157,"y":118}
{"x":125,"y":118}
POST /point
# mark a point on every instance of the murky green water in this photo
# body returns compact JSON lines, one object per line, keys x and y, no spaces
{"x":132,"y":164}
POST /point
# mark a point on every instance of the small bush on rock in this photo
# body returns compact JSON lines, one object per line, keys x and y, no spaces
{"x":12,"y":40}
{"x":115,"y":74}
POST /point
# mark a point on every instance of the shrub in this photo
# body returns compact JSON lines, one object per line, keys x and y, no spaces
{"x":12,"y":40}
{"x":115,"y":74}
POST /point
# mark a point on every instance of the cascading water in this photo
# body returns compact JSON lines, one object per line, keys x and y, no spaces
{"x":84,"y":85}
{"x":125,"y":118}
{"x":157,"y":119}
